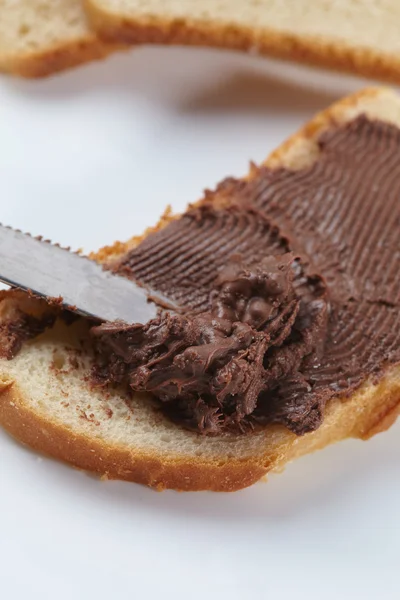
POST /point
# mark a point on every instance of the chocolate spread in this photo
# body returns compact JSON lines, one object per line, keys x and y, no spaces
{"x":19,"y":329}
{"x":290,"y":289}
{"x":210,"y":367}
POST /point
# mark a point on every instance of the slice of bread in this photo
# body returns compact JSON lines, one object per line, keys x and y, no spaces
{"x":359,"y":36}
{"x":47,"y":403}
{"x":40,"y":37}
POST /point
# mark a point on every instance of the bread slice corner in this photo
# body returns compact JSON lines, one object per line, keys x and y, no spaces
{"x":47,"y":402}
{"x":356,"y":36}
{"x":41,"y":37}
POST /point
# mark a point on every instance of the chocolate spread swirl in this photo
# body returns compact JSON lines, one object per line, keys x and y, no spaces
{"x":210,"y":367}
{"x":270,"y":336}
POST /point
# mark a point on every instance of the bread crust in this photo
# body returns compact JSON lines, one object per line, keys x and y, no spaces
{"x":371,"y":409}
{"x":121,"y":463}
{"x":312,"y":50}
{"x":60,"y":56}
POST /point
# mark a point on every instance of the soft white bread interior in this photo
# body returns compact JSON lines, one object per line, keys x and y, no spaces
{"x":40,"y":37}
{"x":360,"y":36}
{"x":47,"y":402}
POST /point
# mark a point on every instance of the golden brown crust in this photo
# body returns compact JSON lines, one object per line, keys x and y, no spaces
{"x":59,"y":57}
{"x":370,"y":410}
{"x":311,"y":50}
{"x":335,"y":113}
{"x":115,"y":463}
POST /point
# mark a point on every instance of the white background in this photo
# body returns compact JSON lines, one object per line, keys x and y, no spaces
{"x":95,"y":155}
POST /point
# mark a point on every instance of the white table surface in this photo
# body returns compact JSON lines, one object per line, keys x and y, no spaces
{"x":95,"y":155}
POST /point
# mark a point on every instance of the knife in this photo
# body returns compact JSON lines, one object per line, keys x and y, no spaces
{"x":83,"y":285}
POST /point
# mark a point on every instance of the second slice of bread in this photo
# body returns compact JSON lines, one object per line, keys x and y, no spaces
{"x":40,"y":37}
{"x":360,"y":36}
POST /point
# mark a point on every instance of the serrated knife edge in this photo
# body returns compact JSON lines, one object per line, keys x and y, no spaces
{"x":48,"y":270}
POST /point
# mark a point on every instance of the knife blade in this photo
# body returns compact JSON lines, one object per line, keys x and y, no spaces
{"x":83,"y":285}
